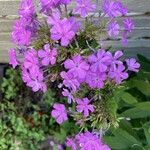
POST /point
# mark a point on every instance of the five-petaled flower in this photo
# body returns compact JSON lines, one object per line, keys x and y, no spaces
{"x":77,"y":66}
{"x":84,"y":106}
{"x":133,"y":65}
{"x":59,"y":113}
{"x":48,"y":55}
{"x":12,"y":58}
{"x":84,"y":7}
{"x":118,"y":74}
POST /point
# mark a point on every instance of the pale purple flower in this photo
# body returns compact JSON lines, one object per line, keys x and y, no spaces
{"x":95,"y":80}
{"x":128,"y":24}
{"x":47,"y":5}
{"x":76,"y":25}
{"x":133,"y":65}
{"x":31,"y":59}
{"x":68,"y":94}
{"x":115,"y":59}
{"x":118,"y":74}
{"x":113,"y":29}
{"x":60,"y":147}
{"x":105,"y":147}
{"x":70,"y":143}
{"x":84,"y":7}
{"x":12,"y":58}
{"x":124,"y":38}
{"x":26,"y":8}
{"x":114,"y":8}
{"x":54,"y":18}
{"x":48,"y":55}
{"x":35,"y":81}
{"x":84,"y":107}
{"x":89,"y":141}
{"x":77,"y":66}
{"x":59,"y":113}
{"x":123,"y":9}
{"x":62,"y":31}
{"x":69,"y":81}
{"x":20,"y":35}
{"x":100,"y":61}
{"x":25,"y":75}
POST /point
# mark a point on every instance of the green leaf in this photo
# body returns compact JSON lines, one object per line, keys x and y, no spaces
{"x":146,"y":128}
{"x":142,"y":86}
{"x":115,"y":143}
{"x":145,"y":62}
{"x":140,"y":110}
{"x":121,"y":140}
{"x":147,"y":148}
{"x":128,"y":98}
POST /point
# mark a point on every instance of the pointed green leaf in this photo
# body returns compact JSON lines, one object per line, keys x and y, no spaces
{"x":140,"y":110}
{"x":128,"y":98}
{"x":146,"y":128}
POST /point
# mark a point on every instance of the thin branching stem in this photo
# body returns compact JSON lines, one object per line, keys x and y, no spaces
{"x":76,"y":42}
{"x":92,"y":49}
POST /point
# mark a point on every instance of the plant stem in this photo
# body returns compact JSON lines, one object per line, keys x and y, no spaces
{"x":76,"y":42}
{"x":90,"y":46}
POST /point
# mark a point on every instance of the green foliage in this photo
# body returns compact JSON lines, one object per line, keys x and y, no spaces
{"x":11,"y":84}
{"x":134,"y":111}
{"x":15,"y":132}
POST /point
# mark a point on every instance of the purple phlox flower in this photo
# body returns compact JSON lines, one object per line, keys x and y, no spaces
{"x":12,"y":58}
{"x":35,"y":81}
{"x":60,"y":147}
{"x":62,"y":31}
{"x":47,"y":5}
{"x":133,"y":65}
{"x":89,"y":141}
{"x":76,"y":25}
{"x":124,"y":38}
{"x":105,"y":147}
{"x":31,"y":25}
{"x":68,"y":94}
{"x":31,"y":59}
{"x":54,"y":18}
{"x":115,"y":59}
{"x":100,"y":61}
{"x":25,"y":75}
{"x":69,"y":81}
{"x":84,"y":7}
{"x":113,"y":29}
{"x":26,"y":8}
{"x":59,"y":113}
{"x":70,"y":143}
{"x":77,"y":66}
{"x":20,"y":35}
{"x":95,"y":80}
{"x":84,"y":106}
{"x":128,"y":24}
{"x":118,"y":74}
{"x":123,"y":9}
{"x":114,"y":8}
{"x":48,"y":55}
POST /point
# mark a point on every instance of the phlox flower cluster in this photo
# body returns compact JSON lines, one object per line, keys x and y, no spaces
{"x":95,"y":70}
{"x":86,"y":141}
{"x":74,"y":70}
{"x":25,"y":28}
{"x":114,"y":9}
